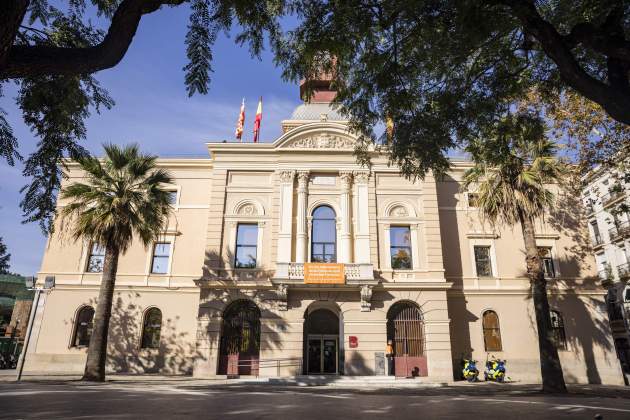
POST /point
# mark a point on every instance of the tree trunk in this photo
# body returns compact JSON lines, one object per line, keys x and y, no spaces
{"x":97,"y":350}
{"x":550,"y":367}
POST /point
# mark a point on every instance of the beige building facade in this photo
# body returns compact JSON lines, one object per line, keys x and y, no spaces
{"x":289,"y":258}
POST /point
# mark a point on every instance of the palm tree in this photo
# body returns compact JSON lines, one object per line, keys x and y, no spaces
{"x":121,"y":198}
{"x":514,"y":166}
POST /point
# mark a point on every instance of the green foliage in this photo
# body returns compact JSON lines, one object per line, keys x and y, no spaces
{"x":8,"y":142}
{"x":124,"y":196}
{"x":199,"y":39}
{"x":4,"y":258}
{"x":442,"y":71}
{"x":514,"y":167}
{"x":55,"y":108}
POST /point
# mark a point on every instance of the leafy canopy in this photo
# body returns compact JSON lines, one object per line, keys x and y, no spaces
{"x":52,"y":49}
{"x":124,"y":196}
{"x":446,"y":71}
{"x":440,"y":71}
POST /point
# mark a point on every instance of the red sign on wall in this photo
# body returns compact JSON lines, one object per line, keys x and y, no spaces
{"x":353,"y":340}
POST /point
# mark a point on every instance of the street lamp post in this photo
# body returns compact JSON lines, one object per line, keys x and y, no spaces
{"x":31,"y":284}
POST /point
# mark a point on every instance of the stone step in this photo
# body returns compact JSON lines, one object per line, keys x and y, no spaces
{"x":350,"y":381}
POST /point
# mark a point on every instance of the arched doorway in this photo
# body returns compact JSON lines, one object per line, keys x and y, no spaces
{"x":405,"y":328}
{"x":240,"y":339}
{"x":321,"y":343}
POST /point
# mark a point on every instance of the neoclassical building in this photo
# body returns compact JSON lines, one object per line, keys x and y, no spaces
{"x":289,"y":258}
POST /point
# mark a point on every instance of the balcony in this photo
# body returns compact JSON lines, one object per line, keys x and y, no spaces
{"x":597,"y":240}
{"x":624,"y":271}
{"x":614,"y":194}
{"x":619,"y":232}
{"x":293,"y":273}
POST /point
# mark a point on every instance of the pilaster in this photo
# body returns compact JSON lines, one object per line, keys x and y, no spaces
{"x":345,"y":250}
{"x":286,"y":215}
{"x":301,"y":245}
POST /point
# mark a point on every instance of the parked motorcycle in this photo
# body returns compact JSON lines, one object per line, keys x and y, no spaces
{"x":470,"y":370}
{"x":12,"y":363}
{"x":495,"y":370}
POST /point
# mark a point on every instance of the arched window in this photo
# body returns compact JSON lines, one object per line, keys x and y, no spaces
{"x":151,"y":328}
{"x":491,"y":331}
{"x":324,"y":235}
{"x":83,"y":327}
{"x":557,"y":330}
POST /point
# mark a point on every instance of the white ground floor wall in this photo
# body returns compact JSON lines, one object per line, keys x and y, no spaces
{"x":192,"y":323}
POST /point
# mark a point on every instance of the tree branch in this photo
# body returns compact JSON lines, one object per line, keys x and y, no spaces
{"x":12,"y":13}
{"x":591,"y":37}
{"x":616,"y":102}
{"x":25,"y":61}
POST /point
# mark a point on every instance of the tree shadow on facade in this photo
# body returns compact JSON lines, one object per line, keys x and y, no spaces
{"x":586,"y":332}
{"x":357,"y":365}
{"x":581,"y":330}
{"x":174,"y":354}
{"x":460,"y":316}
{"x":568,"y":217}
{"x":218,"y":291}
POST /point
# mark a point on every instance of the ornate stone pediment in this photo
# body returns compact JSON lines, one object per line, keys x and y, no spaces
{"x":322,"y":141}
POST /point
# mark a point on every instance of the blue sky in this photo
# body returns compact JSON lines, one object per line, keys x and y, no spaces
{"x":153,"y":109}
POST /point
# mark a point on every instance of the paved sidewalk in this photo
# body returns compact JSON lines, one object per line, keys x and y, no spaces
{"x":178,"y":398}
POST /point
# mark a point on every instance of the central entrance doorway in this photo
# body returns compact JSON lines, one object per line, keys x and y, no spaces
{"x":322,"y":354}
{"x":321,"y":343}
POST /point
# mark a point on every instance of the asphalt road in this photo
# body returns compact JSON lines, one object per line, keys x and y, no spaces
{"x":178,"y":400}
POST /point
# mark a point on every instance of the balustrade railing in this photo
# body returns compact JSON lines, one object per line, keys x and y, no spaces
{"x":612,"y":195}
{"x":613,"y":233}
{"x":624,"y":271}
{"x":352,"y":271}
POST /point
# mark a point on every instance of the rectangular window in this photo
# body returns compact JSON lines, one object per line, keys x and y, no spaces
{"x":96,"y":259}
{"x":547,"y":261}
{"x":473,"y":199}
{"x":482,"y":261}
{"x":400,"y":247}
{"x":557,"y":330}
{"x":172,"y":197}
{"x":161,"y":254}
{"x":597,"y":237}
{"x":246,"y":245}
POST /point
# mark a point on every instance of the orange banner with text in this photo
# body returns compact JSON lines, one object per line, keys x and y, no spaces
{"x":324,"y":273}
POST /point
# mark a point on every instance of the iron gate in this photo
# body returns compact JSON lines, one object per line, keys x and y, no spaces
{"x":405,"y":328}
{"x":240,"y":339}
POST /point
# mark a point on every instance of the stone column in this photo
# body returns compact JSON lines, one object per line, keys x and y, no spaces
{"x":301,"y":245}
{"x":362,"y":232}
{"x":286,"y":216}
{"x":345,"y":249}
